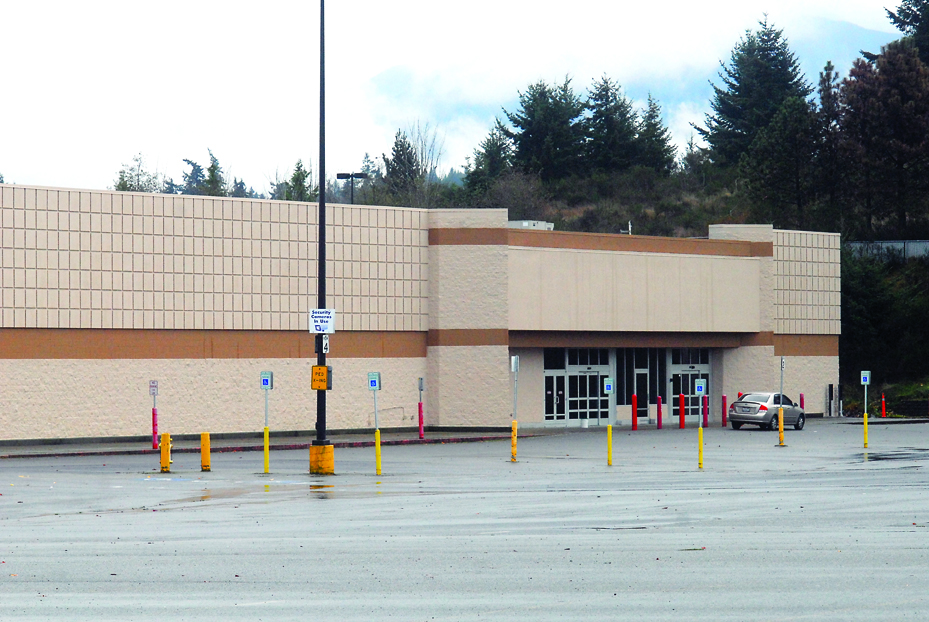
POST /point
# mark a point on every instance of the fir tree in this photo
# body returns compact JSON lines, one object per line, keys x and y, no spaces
{"x":762,"y":73}
{"x":653,"y":142}
{"x":610,"y":129}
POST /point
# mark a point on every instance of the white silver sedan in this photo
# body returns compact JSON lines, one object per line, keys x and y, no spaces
{"x":761,"y":409}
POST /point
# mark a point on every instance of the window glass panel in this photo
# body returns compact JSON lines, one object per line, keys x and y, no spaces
{"x":704,"y":356}
{"x":641,"y":358}
{"x":572,"y":356}
{"x":553,"y":358}
{"x":676,"y":356}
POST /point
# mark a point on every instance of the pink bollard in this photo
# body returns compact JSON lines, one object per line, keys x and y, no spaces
{"x":802,"y":402}
{"x":154,"y":428}
{"x":706,"y":411}
{"x":724,"y":411}
{"x":659,"y":412}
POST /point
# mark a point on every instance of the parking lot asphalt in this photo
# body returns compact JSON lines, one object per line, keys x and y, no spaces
{"x":819,"y":530}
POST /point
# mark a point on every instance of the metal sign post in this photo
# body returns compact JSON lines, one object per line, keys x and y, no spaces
{"x":267,"y":384}
{"x":421,"y":431}
{"x":374,"y":385}
{"x":780,"y":407}
{"x":700,"y":389}
{"x":514,"y":367}
{"x":865,"y":380}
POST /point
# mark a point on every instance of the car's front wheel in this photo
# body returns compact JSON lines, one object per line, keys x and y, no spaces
{"x":800,"y":421}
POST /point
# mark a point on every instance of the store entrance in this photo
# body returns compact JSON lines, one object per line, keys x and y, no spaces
{"x":686,"y":366}
{"x":574,"y":382}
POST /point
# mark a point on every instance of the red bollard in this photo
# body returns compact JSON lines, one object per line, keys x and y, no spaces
{"x":706,"y":411}
{"x":659,"y":412}
{"x":635,"y":412}
{"x":421,"y":434}
{"x":154,"y":428}
{"x":802,"y":402}
{"x":680,"y":408}
{"x":724,"y":411}
{"x":883,"y":406}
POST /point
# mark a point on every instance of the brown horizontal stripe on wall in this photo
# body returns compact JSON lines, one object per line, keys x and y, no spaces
{"x":463,"y":237}
{"x":638,"y":244}
{"x":469,"y":337}
{"x":581,"y":339}
{"x":87,"y":343}
{"x":758,"y":339}
{"x":806,"y":345}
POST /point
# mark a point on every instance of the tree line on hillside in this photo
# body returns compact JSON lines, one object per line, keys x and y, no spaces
{"x":850,"y":154}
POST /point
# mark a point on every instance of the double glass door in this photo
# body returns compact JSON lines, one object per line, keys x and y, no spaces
{"x":574,"y":382}
{"x":688,"y":365}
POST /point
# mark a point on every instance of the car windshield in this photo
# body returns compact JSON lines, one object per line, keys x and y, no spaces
{"x":755,"y":397}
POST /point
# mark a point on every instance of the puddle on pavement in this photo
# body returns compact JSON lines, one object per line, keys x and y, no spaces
{"x":908,"y":454}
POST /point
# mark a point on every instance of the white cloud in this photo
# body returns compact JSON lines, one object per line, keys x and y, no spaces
{"x":88,"y":85}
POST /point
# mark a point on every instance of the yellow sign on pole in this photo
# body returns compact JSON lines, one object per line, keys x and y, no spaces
{"x":320,"y":379}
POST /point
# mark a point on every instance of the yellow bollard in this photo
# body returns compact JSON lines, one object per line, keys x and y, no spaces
{"x":780,"y":425}
{"x":865,"y":429}
{"x":609,"y":445}
{"x":165,"y":453}
{"x":377,"y":450}
{"x":205,"y":451}
{"x":267,"y":451}
{"x":322,"y":460}
{"x":700,"y":443}
{"x":513,"y":444}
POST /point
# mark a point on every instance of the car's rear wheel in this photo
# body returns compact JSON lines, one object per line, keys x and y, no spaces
{"x":735,"y":426}
{"x":773,"y":424}
{"x":800,"y":421}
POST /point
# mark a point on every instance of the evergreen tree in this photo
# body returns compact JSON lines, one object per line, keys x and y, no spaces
{"x":214,"y":184}
{"x":829,"y":165}
{"x":1,"y":179}
{"x":491,"y":159}
{"x":301,"y":187}
{"x":548,"y":131}
{"x":912,"y":19}
{"x":193,"y":179}
{"x":169,"y":187}
{"x":653,"y":142}
{"x":886,"y":126}
{"x":780,"y":167}
{"x":610,"y":129}
{"x":402,"y":169}
{"x":762,"y":73}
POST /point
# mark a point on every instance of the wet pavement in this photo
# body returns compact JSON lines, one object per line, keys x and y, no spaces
{"x":819,"y":530}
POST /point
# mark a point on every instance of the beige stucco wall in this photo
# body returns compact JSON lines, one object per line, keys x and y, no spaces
{"x":91,"y":398}
{"x":531,"y":395}
{"x":470,"y":386}
{"x":468,"y":288}
{"x":758,"y":369}
{"x":571,"y":290}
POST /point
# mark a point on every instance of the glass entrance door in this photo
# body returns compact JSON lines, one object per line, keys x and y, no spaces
{"x":687,"y":365}
{"x":641,"y":392}
{"x":586,"y":399}
{"x":554,"y":397}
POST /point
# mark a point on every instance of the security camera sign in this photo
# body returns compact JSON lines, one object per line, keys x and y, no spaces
{"x":322,"y":321}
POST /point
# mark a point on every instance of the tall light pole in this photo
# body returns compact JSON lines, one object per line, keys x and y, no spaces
{"x":352,"y":177}
{"x":321,"y":451}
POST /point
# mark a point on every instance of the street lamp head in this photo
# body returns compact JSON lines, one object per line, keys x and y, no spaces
{"x":343,"y":175}
{"x":352,"y":176}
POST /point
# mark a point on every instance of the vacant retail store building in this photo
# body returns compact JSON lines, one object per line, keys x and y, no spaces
{"x":103,"y":291}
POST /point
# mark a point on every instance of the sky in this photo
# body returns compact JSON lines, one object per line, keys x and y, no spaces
{"x":85,"y":86}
